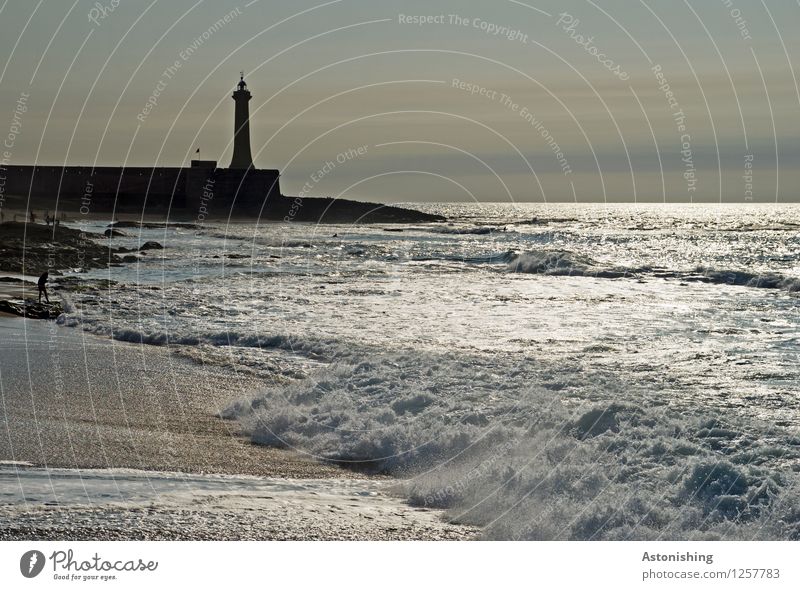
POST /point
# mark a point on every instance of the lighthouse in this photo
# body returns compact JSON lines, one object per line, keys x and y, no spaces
{"x":241,"y":128}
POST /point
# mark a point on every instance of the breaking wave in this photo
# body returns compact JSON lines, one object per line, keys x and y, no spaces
{"x":314,"y":349}
{"x":566,"y":263}
{"x":485,"y":439}
{"x":563,"y":263}
{"x":746,"y":279}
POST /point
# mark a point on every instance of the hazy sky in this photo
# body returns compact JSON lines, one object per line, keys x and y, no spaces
{"x":538,"y":100}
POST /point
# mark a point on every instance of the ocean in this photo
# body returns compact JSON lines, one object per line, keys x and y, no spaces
{"x":564,"y":371}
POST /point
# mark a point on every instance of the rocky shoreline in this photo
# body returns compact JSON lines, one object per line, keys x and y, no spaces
{"x":29,"y":249}
{"x":32,"y":248}
{"x":324,"y":210}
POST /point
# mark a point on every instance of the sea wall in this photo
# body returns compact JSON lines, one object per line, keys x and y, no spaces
{"x":74,"y":188}
{"x":197,"y":193}
{"x":219,"y":192}
{"x":84,"y":189}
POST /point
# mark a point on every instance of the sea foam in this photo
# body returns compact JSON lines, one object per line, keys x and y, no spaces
{"x":481,"y":438}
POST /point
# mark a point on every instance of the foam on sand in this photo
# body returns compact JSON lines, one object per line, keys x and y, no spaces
{"x":120,"y":504}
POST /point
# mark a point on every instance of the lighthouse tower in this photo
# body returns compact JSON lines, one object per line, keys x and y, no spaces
{"x":241,"y":129}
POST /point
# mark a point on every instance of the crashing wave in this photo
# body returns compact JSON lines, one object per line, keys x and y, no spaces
{"x":313,"y":349}
{"x":479,"y":438}
{"x":566,"y":263}
{"x":563,"y":263}
{"x":745,"y":279}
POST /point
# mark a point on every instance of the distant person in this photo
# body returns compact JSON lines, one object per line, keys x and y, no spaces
{"x":43,"y":287}
{"x":47,"y":218}
{"x":33,"y":217}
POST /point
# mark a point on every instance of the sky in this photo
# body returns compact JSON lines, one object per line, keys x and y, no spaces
{"x":436,"y":100}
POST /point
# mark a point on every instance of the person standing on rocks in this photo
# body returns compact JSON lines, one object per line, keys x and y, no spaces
{"x":43,"y":288}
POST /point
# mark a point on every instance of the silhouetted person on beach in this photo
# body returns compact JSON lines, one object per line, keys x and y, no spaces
{"x":43,"y":288}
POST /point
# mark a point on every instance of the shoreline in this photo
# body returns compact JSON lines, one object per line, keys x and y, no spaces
{"x":76,"y":400}
{"x":125,"y":504}
{"x":64,"y":360}
{"x":81,"y":409}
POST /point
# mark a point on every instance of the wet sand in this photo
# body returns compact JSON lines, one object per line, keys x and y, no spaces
{"x":70,"y":401}
{"x":17,"y":287}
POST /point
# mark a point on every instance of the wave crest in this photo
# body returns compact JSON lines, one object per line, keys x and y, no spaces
{"x":563,"y":263}
{"x":567,"y":263}
{"x":746,"y":279}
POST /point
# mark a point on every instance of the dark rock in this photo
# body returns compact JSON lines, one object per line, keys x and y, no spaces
{"x":151,"y":246}
{"x":11,"y":307}
{"x":32,"y":309}
{"x":328,"y":210}
{"x":130,"y":258}
{"x":32,"y":248}
{"x":114,"y":233}
{"x":15,"y":280}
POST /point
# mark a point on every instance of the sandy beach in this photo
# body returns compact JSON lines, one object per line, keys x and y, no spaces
{"x":80,"y":412}
{"x":78,"y":401}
